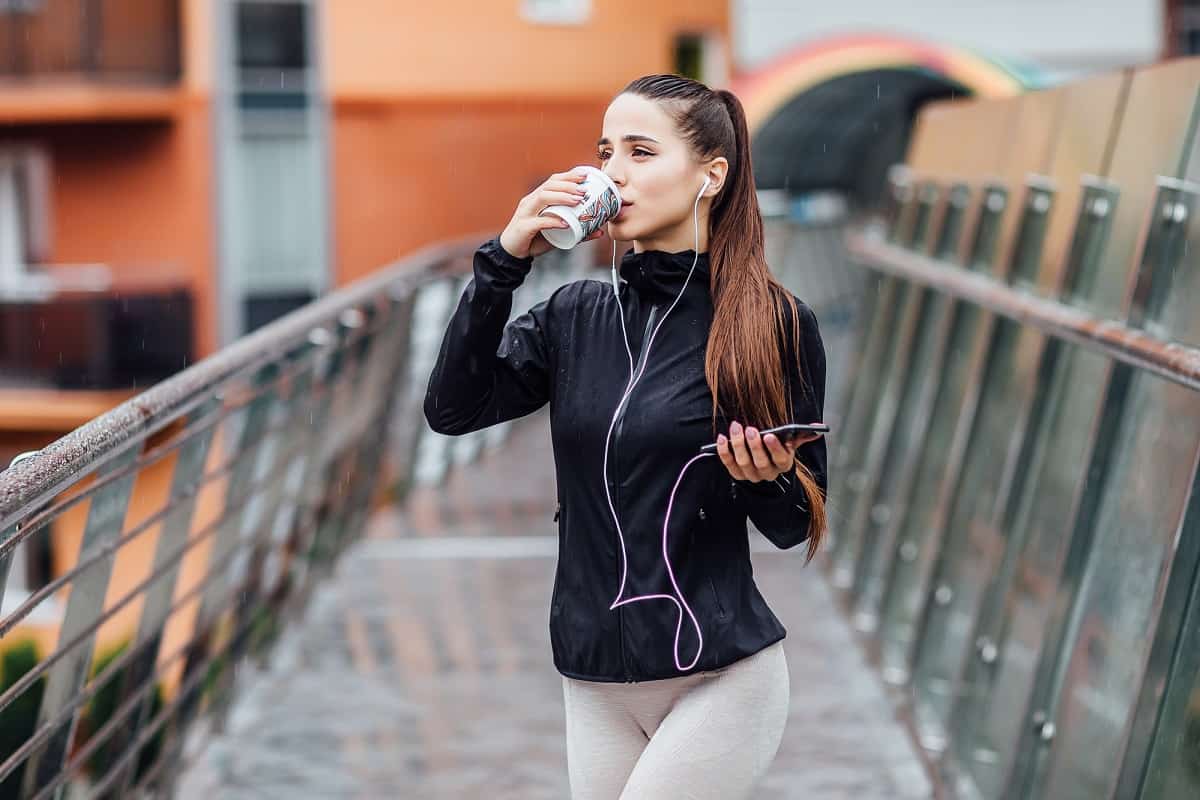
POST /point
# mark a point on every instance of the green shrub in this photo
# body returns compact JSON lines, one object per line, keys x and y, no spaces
{"x":103,"y":705}
{"x":19,"y":720}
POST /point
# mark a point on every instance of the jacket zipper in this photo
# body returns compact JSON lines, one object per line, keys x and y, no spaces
{"x":616,"y":491}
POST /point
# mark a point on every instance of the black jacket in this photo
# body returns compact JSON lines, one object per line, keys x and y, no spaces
{"x":568,"y":351}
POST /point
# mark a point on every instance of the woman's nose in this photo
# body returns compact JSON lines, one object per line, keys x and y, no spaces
{"x":615,"y":174}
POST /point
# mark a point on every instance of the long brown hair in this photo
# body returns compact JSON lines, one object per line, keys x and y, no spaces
{"x":744,"y":362}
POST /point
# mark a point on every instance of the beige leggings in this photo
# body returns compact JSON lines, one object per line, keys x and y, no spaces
{"x":695,"y":737}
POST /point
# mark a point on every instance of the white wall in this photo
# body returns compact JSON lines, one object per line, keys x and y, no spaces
{"x":1065,"y":37}
{"x":12,"y":225}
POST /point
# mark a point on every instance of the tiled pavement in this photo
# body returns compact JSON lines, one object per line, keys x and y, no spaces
{"x":423,"y":668}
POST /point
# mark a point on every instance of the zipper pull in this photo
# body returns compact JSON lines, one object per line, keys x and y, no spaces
{"x":557,"y":509}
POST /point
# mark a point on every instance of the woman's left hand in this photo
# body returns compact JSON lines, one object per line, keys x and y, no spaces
{"x":751,"y":457}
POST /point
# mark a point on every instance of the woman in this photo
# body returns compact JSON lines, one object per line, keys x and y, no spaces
{"x":674,"y":678}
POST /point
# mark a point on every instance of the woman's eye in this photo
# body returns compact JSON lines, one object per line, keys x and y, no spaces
{"x":637,"y":151}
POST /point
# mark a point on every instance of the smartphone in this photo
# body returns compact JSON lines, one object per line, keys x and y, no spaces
{"x":784,"y":432}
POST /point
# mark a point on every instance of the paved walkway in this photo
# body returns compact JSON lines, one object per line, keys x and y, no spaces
{"x":423,"y":669}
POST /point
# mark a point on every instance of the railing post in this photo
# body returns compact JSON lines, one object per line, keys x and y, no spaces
{"x":186,"y":482}
{"x":284,"y":509}
{"x":106,"y":517}
{"x":337,"y":463}
{"x":391,"y":361}
{"x":256,"y":540}
{"x":437,"y":303}
{"x":296,"y":568}
{"x":225,"y":539}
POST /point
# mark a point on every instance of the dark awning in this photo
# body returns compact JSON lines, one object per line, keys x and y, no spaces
{"x":844,"y":133}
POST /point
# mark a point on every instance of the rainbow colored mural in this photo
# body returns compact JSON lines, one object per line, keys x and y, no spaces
{"x":767,"y":89}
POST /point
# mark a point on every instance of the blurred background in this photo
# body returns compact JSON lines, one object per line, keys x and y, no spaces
{"x":215,"y":164}
{"x":177,"y":174}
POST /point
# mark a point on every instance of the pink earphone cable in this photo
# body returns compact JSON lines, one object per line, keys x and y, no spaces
{"x":680,"y":604}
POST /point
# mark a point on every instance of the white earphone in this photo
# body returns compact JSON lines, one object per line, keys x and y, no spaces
{"x":677,"y":596}
{"x":695,"y":219}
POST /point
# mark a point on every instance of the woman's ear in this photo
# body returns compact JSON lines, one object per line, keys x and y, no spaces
{"x":716,"y":172}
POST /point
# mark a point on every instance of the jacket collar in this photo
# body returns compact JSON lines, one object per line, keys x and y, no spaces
{"x":659,"y":273}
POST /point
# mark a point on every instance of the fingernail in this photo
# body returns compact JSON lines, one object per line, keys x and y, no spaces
{"x":735,"y":427}
{"x":752,"y":433}
{"x":721,"y":440}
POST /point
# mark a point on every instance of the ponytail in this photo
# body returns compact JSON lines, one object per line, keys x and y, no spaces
{"x":754,"y":316}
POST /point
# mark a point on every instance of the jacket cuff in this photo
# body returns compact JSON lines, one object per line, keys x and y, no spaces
{"x":496,"y":268}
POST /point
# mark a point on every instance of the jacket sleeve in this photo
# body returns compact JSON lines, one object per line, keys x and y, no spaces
{"x":489,"y":369}
{"x":780,"y":508}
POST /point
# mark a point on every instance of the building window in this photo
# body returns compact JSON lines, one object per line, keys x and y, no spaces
{"x":273,"y":56}
{"x":20,"y":6}
{"x":272,"y":35}
{"x":24,"y":210}
{"x":701,"y":57}
{"x":1183,"y":28}
{"x":556,"y":12}
{"x":689,"y":56}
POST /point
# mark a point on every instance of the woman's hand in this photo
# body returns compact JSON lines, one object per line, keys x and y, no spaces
{"x":521,"y":238}
{"x":751,"y":457}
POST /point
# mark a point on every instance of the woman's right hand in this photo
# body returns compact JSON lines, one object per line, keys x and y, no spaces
{"x":522,"y":237}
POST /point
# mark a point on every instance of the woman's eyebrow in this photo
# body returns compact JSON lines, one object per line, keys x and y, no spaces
{"x":629,"y":137}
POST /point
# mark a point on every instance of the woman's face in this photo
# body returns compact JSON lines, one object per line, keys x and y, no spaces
{"x":657,"y":174}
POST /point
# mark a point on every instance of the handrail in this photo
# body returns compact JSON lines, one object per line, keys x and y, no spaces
{"x":1137,"y":347}
{"x":297,"y":415}
{"x":39,"y":478}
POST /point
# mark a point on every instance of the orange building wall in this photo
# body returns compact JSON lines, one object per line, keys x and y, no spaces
{"x":410,"y":174}
{"x":485,"y":47}
{"x":442,"y":120}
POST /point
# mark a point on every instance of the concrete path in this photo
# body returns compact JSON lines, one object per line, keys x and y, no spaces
{"x":423,"y":668}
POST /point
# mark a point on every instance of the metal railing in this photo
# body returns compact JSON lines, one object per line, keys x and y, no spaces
{"x":1019,"y":468}
{"x":204,"y":509}
{"x":112,"y":40}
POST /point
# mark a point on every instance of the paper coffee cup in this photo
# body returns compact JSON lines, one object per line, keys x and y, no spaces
{"x":602,"y":203}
